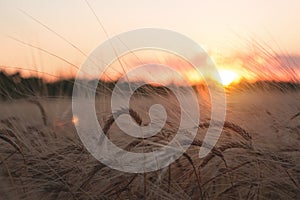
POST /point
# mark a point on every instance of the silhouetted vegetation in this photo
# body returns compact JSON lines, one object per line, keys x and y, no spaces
{"x":15,"y":86}
{"x":267,"y":86}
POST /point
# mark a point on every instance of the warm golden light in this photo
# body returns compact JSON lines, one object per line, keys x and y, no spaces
{"x":228,"y":77}
{"x":193,"y":77}
{"x":75,"y":120}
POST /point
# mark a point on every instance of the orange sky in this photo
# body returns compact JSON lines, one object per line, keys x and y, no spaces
{"x":221,"y":27}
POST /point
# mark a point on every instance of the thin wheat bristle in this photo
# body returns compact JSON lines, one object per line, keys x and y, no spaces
{"x":41,"y":108}
{"x":229,"y":125}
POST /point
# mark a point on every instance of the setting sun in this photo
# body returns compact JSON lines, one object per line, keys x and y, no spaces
{"x":228,"y":77}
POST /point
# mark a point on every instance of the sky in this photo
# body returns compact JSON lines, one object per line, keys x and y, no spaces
{"x":221,"y":27}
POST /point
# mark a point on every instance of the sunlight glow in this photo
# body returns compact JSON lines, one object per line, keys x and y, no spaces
{"x":228,"y":77}
{"x":75,"y":120}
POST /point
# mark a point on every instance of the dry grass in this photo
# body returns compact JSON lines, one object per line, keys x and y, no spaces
{"x":257,"y":156}
{"x":39,"y":162}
